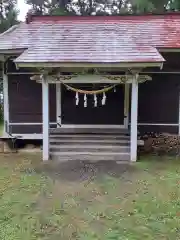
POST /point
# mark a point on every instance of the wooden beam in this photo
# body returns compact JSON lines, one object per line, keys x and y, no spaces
{"x":58,"y":104}
{"x":134,"y":118}
{"x":126,"y":105}
{"x":168,"y":50}
{"x":92,"y":78}
{"x":179,"y":114}
{"x":6,"y":101}
{"x":45,"y":105}
{"x":89,"y":65}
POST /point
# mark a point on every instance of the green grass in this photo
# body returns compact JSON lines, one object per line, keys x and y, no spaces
{"x":45,"y":202}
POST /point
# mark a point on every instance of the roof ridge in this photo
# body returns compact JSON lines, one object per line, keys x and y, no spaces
{"x":35,"y":17}
{"x":155,"y":13}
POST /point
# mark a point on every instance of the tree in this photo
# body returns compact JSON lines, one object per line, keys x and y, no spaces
{"x":101,"y":7}
{"x":39,"y":6}
{"x":8,"y":18}
{"x":8,"y":14}
{"x":61,"y":7}
{"x":174,"y":5}
{"x":139,"y":6}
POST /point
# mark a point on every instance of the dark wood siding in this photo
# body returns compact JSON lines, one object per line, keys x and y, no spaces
{"x":171,"y":64}
{"x":52,"y":102}
{"x":159,"y":102}
{"x":25,"y":102}
{"x":158,"y":129}
{"x":24,"y":129}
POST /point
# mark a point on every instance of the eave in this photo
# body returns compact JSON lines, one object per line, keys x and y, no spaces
{"x":164,"y":50}
{"x":12,"y":51}
{"x":88,"y":65}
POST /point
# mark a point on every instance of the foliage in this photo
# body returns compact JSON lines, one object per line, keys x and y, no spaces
{"x":8,"y":18}
{"x":1,"y":116}
{"x":8,"y":14}
{"x":101,"y":7}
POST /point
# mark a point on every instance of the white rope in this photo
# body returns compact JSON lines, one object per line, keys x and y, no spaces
{"x":85,"y":100}
{"x":77,"y":99}
{"x":104,"y":99}
{"x":95,"y":100}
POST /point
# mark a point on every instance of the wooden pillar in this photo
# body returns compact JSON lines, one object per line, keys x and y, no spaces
{"x":126,"y":105}
{"x":179,"y":114}
{"x":6,"y":101}
{"x":134,"y":118}
{"x":45,"y":103}
{"x":58,"y":104}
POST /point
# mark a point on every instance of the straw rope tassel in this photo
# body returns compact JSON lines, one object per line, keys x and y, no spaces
{"x":77,"y":99}
{"x":95,"y":100}
{"x":85,"y":100}
{"x":104,"y":99}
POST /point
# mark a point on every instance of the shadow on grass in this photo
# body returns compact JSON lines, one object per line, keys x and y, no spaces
{"x":82,"y":170}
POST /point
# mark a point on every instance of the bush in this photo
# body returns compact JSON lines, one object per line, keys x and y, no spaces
{"x":1,"y":113}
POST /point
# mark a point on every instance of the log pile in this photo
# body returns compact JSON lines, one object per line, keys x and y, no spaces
{"x":161,"y":144}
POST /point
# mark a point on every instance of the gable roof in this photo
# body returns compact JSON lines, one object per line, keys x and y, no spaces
{"x":93,"y":39}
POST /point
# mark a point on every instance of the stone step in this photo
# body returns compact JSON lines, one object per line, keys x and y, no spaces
{"x":114,"y":142}
{"x":91,"y":148}
{"x":89,"y":130}
{"x":90,"y":156}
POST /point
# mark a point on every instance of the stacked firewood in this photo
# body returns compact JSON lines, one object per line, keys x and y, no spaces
{"x":161,"y":144}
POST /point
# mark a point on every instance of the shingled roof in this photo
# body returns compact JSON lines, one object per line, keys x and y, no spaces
{"x":94,"y":39}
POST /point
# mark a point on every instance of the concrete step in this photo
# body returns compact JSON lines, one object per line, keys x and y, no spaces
{"x":91,"y":148}
{"x":89,"y":136}
{"x":90,"y":156}
{"x":89,"y":130}
{"x":115,"y":142}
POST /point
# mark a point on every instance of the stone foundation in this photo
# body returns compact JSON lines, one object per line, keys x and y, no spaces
{"x":5,"y":147}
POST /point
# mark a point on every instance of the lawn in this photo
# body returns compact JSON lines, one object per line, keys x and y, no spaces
{"x":105,"y":201}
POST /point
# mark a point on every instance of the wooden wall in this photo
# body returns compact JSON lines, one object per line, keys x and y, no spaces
{"x":159,"y":102}
{"x":25,"y":103}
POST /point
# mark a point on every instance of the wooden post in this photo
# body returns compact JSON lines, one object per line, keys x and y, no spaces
{"x":126,"y":106}
{"x":58,"y":104}
{"x":6,"y":101}
{"x":179,"y":113}
{"x":134,"y":118}
{"x":45,"y":103}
